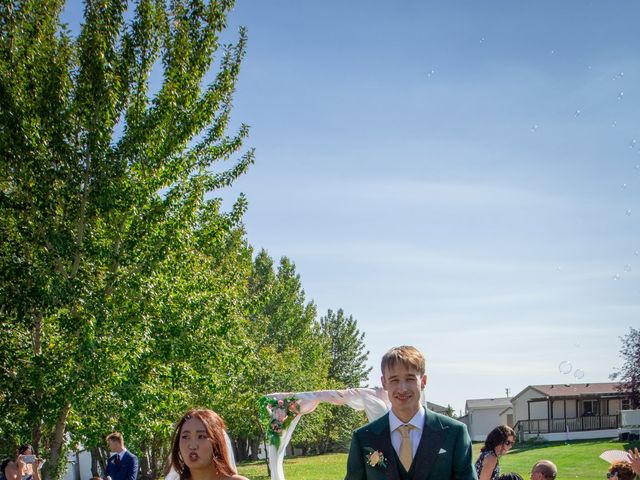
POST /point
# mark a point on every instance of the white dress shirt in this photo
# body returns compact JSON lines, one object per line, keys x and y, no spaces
{"x":415,"y":433}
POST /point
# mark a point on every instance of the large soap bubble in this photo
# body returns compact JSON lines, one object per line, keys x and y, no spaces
{"x":565,"y":367}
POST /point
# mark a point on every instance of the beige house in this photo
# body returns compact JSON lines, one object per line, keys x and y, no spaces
{"x":484,"y":414}
{"x":570,"y":411}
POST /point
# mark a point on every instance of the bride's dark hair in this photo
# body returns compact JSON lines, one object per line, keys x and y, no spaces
{"x":214,"y":425}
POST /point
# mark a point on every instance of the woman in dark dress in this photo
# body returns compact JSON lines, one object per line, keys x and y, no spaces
{"x":498,"y":442}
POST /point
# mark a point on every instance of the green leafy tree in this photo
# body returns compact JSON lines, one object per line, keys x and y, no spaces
{"x":287,"y":352}
{"x":628,"y":375}
{"x":450,"y":411}
{"x":347,"y":349}
{"x":193,"y":358}
{"x":104,"y":212}
{"x":347,"y":369}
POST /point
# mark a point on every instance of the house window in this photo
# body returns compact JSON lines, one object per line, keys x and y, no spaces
{"x":590,"y":408}
{"x":625,"y":404}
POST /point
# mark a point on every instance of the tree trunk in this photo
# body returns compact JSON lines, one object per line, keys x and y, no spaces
{"x":255,"y":445}
{"x":76,"y":467}
{"x":155,"y":467}
{"x":144,"y":465}
{"x":57,"y":442}
{"x":241,"y":452}
{"x":36,"y":343}
{"x":36,"y":435}
{"x":95,"y":458}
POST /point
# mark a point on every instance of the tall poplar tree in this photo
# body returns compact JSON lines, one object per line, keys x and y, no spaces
{"x":347,"y":369}
{"x":103,"y":201}
{"x":287,"y":353}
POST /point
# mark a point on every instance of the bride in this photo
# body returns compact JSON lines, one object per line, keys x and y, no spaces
{"x":200,"y":449}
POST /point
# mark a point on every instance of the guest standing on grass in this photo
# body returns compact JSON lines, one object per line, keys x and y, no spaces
{"x":11,"y":470}
{"x":634,"y":460}
{"x":32,"y":463}
{"x":510,"y":476}
{"x":544,"y":470}
{"x":199,"y":450}
{"x":620,"y":471}
{"x":122,"y":464}
{"x":498,"y":443}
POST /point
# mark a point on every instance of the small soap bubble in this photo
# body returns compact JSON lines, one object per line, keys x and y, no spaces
{"x":535,"y":128}
{"x":628,"y":213}
{"x":553,"y":52}
{"x":431,"y":73}
{"x":627,"y":267}
{"x":577,"y":113}
{"x":614,"y":123}
{"x":624,"y":186}
{"x":482,"y":40}
{"x":565,"y":367}
{"x":632,"y":143}
{"x":636,"y":253}
{"x":616,"y":276}
{"x":579,"y":373}
{"x":620,"y":95}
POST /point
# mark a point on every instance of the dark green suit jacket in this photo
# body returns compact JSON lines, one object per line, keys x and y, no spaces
{"x":444,"y":451}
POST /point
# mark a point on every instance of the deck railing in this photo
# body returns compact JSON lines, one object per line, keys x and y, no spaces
{"x":557,"y":425}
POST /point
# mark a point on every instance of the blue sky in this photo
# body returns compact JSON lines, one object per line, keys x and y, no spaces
{"x":461,"y":176}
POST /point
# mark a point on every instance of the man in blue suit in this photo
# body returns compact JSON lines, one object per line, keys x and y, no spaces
{"x":122,"y":464}
{"x":410,"y":442}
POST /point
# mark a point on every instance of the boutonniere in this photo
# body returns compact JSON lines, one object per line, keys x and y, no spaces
{"x":375,"y":458}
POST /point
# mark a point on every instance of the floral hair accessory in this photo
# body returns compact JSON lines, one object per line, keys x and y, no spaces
{"x":375,"y":458}
{"x":276,"y":415}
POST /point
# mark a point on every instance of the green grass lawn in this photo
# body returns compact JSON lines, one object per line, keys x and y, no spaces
{"x":578,"y":459}
{"x":320,"y":467}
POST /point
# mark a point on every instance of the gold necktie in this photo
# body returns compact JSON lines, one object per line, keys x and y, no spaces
{"x":406,"y":449}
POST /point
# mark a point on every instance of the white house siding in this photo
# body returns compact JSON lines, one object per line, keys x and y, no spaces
{"x":615,"y":405}
{"x":85,"y":466}
{"x":539,"y":411}
{"x":482,"y":421}
{"x":520,"y":406}
{"x":558,"y":408}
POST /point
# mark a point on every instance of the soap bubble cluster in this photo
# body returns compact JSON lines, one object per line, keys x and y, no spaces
{"x":566,"y":368}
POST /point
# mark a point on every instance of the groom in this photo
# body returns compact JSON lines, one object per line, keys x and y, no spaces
{"x":410,"y":442}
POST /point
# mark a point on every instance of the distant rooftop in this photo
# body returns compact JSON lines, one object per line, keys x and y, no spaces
{"x":502,"y":402}
{"x":574,"y":389}
{"x":434,"y":407}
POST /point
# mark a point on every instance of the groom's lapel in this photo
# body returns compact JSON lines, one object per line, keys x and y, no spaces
{"x":432,"y":439}
{"x":378,"y":437}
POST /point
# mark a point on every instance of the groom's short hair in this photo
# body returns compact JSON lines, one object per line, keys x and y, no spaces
{"x":116,"y":437}
{"x":409,"y":356}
